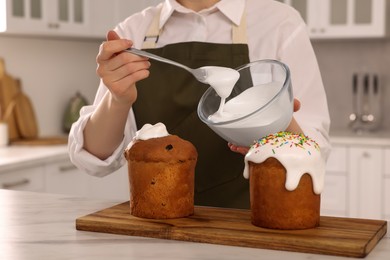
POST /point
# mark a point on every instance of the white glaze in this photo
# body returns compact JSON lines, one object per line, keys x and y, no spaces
{"x":222,"y":80}
{"x":249,"y":101}
{"x":298,"y":154}
{"x":149,"y":131}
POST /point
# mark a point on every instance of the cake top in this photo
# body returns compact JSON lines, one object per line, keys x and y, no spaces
{"x":298,"y":153}
{"x":153,"y":143}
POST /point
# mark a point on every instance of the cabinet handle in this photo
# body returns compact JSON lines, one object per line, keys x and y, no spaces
{"x":366,"y":155}
{"x":67,"y":168}
{"x":54,"y":25}
{"x":11,"y":185}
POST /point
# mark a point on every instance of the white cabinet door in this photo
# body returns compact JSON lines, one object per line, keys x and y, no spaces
{"x":25,"y":16}
{"x":68,"y":17}
{"x":387,"y":162}
{"x":48,"y":17}
{"x":114,"y":186}
{"x":342,"y":18}
{"x":335,"y":197}
{"x":353,"y":18}
{"x":387,"y":198}
{"x":365,"y":180}
{"x":386,"y":189}
{"x":31,"y":179}
{"x":63,"y":177}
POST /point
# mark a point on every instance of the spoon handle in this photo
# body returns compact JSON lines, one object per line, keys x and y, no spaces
{"x":158,"y":58}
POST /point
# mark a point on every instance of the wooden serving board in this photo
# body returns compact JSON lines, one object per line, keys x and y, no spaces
{"x":335,"y":236}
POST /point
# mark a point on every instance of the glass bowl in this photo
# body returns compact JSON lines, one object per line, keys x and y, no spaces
{"x":261,"y":103}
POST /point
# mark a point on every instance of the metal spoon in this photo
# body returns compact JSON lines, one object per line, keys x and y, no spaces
{"x":200,"y":73}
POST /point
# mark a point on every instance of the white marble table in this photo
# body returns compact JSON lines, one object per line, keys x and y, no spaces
{"x":42,"y":226}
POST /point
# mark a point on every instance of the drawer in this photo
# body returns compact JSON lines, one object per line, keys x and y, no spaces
{"x":337,"y":161}
{"x":387,"y":162}
{"x":334,"y":196}
{"x":64,"y":178}
{"x":29,"y":179}
{"x":386,"y":199}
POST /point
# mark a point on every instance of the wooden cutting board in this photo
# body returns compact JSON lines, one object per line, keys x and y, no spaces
{"x":25,"y":117}
{"x":335,"y":236}
{"x":9,"y":89}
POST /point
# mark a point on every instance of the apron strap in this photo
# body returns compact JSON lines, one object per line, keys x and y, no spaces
{"x":153,"y":33}
{"x":239,"y":31}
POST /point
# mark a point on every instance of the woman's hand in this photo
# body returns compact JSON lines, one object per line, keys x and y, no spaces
{"x":293,"y":126}
{"x":120,"y":70}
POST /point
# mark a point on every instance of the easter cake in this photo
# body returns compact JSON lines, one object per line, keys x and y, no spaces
{"x":161,"y":171}
{"x":286,"y":174}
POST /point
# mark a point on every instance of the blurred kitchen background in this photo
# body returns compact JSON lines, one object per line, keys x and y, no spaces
{"x":55,"y":59}
{"x":51,"y":46}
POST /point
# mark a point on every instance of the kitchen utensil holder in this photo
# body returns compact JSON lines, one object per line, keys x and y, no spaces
{"x":366,"y":102}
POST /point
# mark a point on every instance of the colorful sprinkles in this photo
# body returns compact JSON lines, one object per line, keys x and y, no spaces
{"x":286,"y":138}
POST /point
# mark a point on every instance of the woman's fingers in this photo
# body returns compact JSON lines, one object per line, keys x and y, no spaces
{"x":238,"y":149}
{"x":122,"y":59}
{"x":134,"y":70}
{"x":112,"y":46}
{"x":297,"y":105}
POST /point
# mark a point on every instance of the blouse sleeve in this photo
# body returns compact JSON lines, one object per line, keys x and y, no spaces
{"x":86,"y":161}
{"x":313,"y":116}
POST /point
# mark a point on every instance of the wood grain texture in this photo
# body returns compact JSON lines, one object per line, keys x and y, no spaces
{"x":335,"y":236}
{"x":46,"y":140}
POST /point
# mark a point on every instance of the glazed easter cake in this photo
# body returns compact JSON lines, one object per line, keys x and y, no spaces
{"x":286,"y":174}
{"x":161,"y":171}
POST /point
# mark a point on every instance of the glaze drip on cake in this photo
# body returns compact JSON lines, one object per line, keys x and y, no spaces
{"x":296,"y":152}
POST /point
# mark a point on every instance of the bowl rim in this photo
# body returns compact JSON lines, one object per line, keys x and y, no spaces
{"x":286,"y":84}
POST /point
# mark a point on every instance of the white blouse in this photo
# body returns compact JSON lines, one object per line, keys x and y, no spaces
{"x":274,"y":31}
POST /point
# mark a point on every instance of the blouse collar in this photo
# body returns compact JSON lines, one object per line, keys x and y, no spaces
{"x":232,"y":9}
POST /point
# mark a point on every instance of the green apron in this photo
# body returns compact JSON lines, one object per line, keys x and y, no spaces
{"x":170,"y":95}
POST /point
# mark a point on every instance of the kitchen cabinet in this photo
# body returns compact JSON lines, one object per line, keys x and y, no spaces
{"x":67,"y":18}
{"x":22,"y":179}
{"x":62,"y":177}
{"x":328,"y":19}
{"x":357,"y":182}
{"x":48,"y":17}
{"x":114,"y":186}
{"x":365,"y":165}
{"x":334,"y":198}
{"x":49,"y":169}
{"x":386,"y":184}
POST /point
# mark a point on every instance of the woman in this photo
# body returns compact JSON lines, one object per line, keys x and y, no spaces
{"x":134,"y":91}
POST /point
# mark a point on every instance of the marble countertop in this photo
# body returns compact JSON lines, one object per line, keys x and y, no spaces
{"x":42,"y":226}
{"x":349,"y":137}
{"x":16,"y":156}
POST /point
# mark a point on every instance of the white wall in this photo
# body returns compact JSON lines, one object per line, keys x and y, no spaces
{"x":51,"y":70}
